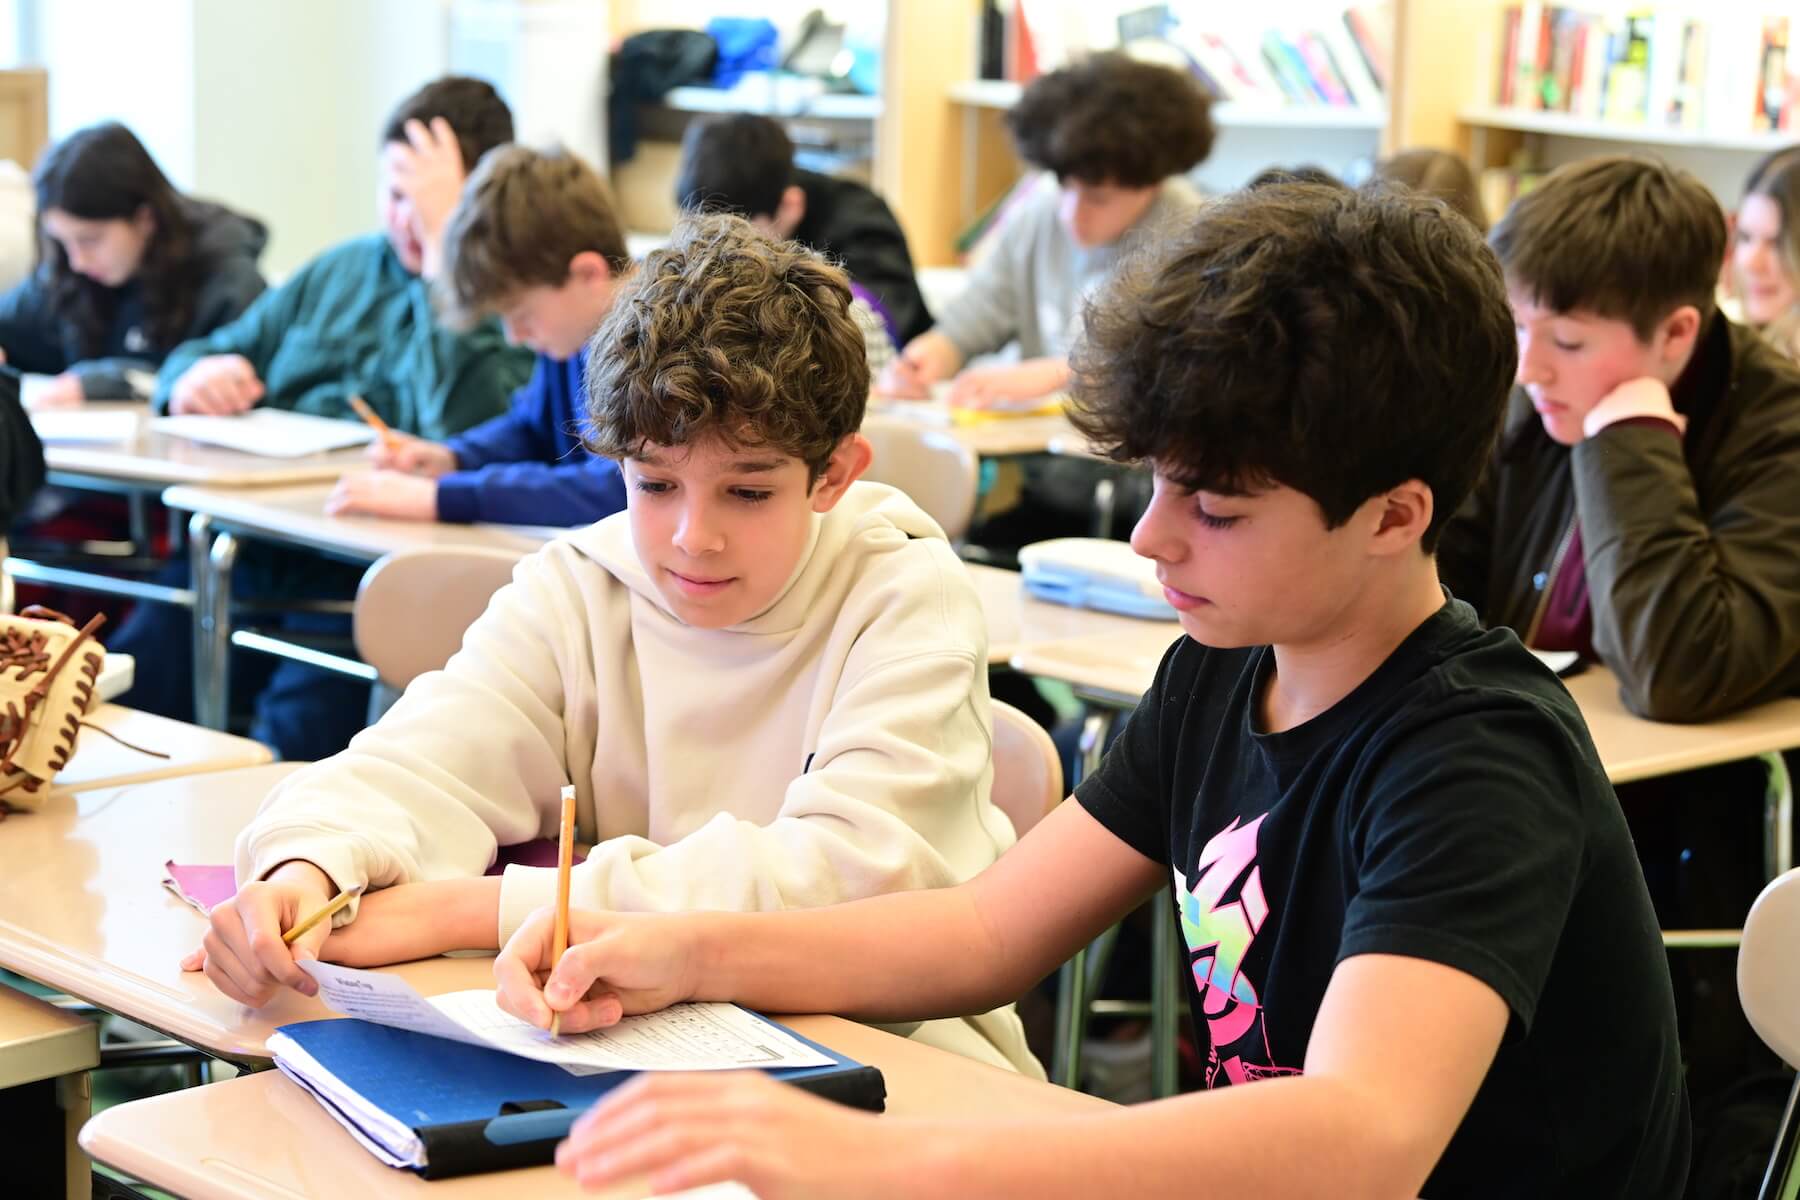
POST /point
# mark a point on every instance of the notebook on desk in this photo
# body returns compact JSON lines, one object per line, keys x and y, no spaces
{"x":454,"y":1086}
{"x":270,"y":432}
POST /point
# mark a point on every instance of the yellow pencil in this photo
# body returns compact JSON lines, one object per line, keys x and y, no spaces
{"x":388,"y":437}
{"x":324,"y":914}
{"x":565,"y":861}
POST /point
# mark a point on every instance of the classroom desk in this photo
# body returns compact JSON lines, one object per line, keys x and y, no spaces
{"x":261,"y":1137}
{"x":82,"y":909}
{"x":101,"y":762}
{"x":1002,"y":438}
{"x":294,"y":516}
{"x":45,"y":1054}
{"x":1018,"y":622}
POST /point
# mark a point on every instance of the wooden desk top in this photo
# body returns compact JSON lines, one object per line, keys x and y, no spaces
{"x":82,"y":908}
{"x":40,"y":1041}
{"x":297,"y":515}
{"x":1017,"y":622}
{"x":101,"y":762}
{"x":159,"y":459}
{"x":999,"y":438}
{"x":261,"y":1137}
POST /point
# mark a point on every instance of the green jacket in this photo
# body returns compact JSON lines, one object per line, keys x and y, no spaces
{"x":1691,"y":544}
{"x":353,"y":321}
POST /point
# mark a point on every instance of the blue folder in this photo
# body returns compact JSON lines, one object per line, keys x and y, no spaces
{"x":478,"y":1110}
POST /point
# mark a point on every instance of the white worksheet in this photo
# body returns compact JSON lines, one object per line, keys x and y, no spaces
{"x":270,"y":432}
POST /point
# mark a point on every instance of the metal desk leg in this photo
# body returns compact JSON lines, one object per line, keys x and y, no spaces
{"x":1106,"y":492}
{"x":1778,"y":818}
{"x":138,"y":506}
{"x":1074,"y":987}
{"x":220,"y":560}
{"x":199,"y":544}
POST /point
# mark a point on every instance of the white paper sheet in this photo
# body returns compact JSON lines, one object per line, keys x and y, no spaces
{"x":85,"y":425}
{"x":269,"y":432}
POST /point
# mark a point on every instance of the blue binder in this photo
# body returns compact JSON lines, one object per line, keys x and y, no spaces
{"x":477,"y":1110}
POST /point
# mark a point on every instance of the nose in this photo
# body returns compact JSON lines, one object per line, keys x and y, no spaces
{"x":1534,"y":365}
{"x":1156,"y":536}
{"x":696,"y":533}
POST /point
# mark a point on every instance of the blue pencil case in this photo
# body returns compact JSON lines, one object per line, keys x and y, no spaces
{"x":1094,"y":573}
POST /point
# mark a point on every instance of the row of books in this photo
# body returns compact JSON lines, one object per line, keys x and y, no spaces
{"x":1334,"y":57}
{"x":1667,"y":66}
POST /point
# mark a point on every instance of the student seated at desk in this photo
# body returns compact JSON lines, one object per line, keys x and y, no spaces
{"x":1422,"y":956}
{"x":534,"y":238}
{"x":128,"y":269}
{"x":766,"y":681}
{"x":744,"y":164}
{"x":358,"y":319}
{"x":1113,"y":136}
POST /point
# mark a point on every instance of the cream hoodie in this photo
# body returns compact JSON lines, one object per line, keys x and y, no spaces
{"x":835,"y":746}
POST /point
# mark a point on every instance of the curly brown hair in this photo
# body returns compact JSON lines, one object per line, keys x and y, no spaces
{"x":726,"y":333}
{"x":1334,"y":341}
{"x":1113,"y":119}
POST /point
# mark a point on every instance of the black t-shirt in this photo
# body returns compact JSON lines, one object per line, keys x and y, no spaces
{"x":1451,"y":808}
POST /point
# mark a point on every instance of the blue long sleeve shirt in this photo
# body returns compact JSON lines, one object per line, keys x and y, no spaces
{"x":528,"y":466}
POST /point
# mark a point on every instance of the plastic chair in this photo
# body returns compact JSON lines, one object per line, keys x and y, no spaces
{"x":414,"y":606}
{"x":1027,"y":770}
{"x":1769,"y":989}
{"x":942,"y":475}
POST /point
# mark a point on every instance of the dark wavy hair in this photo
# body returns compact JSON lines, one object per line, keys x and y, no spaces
{"x":1112,"y":119}
{"x":1337,"y":342}
{"x":103,"y":173}
{"x":726,"y":333}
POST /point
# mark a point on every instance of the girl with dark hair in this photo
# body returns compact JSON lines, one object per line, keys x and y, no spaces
{"x":128,"y":268}
{"x":1765,"y":250}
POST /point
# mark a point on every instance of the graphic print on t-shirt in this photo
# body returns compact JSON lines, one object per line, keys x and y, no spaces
{"x":1218,"y":933}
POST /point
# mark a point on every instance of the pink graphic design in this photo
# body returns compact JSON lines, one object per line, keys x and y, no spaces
{"x":1218,"y":933}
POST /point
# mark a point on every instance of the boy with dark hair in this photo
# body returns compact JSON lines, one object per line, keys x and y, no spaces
{"x":1113,"y":136}
{"x":1642,"y":507}
{"x":536,"y":240}
{"x":765,"y":680}
{"x":1408,"y":898}
{"x":357,"y":320}
{"x":744,"y":164}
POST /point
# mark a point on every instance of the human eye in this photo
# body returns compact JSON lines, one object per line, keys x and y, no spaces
{"x":751,"y":495}
{"x":1214,"y":520}
{"x":652,"y":487}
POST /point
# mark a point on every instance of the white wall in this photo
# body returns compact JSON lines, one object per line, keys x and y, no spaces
{"x":127,"y":60}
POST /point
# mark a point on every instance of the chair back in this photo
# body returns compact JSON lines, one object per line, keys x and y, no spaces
{"x":939,"y":473}
{"x":1769,"y":966}
{"x":1028,"y":779}
{"x":414,"y":606}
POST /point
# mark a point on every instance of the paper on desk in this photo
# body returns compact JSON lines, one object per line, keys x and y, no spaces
{"x":687,"y":1037}
{"x":270,"y":432}
{"x":85,"y":425}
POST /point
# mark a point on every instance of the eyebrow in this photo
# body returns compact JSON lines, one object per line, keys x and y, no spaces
{"x":743,"y":466}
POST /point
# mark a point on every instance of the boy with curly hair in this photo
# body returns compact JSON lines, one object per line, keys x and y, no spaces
{"x":1114,"y":137}
{"x":765,"y":680}
{"x":1421,"y":956}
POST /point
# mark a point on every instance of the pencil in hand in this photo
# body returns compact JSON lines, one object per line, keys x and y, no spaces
{"x":389,"y":438}
{"x":565,"y":861}
{"x":324,"y":914}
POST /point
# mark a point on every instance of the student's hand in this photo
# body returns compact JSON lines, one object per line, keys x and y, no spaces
{"x":429,"y":171}
{"x":419,"y":920}
{"x":415,"y":456}
{"x":689,"y":1129}
{"x":984,"y":387}
{"x":242,"y":952}
{"x":61,"y":391}
{"x":927,"y":359}
{"x":617,"y":964}
{"x":217,"y":385}
{"x":1646,"y":397}
{"x":384,"y":494}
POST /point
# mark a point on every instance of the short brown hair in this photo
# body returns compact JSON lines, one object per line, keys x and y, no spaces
{"x":1626,"y":238}
{"x":523,"y":214}
{"x":1112,"y":119}
{"x":1437,"y":173}
{"x":1337,"y":342}
{"x":725,"y":333}
{"x":478,"y":116}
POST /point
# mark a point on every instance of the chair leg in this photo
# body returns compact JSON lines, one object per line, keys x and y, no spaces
{"x":1165,"y":1001}
{"x":1782,"y":1180}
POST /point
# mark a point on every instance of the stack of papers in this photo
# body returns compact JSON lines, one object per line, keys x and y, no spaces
{"x":270,"y":432}
{"x":85,"y":425}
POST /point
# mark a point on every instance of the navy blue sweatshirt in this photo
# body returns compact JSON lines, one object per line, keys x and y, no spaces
{"x":528,"y":466}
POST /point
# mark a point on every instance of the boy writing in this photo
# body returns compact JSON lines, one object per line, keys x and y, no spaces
{"x":1407,"y":895}
{"x":535,"y":239}
{"x":766,"y":681}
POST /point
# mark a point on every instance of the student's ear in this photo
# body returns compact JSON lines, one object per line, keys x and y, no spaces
{"x":1403,"y":516}
{"x":791,"y":211}
{"x":851,"y":458}
{"x":144,"y":221}
{"x":1680,"y":330}
{"x":589,"y":268}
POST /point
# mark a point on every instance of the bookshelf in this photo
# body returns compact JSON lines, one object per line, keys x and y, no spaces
{"x":1556,"y":124}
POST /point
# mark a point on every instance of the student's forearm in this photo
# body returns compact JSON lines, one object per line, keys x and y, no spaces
{"x":1151,"y":1150}
{"x":902,"y":957}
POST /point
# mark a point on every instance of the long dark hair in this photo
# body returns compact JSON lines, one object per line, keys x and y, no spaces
{"x":103,"y":173}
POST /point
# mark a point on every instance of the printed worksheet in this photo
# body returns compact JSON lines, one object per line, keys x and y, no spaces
{"x":686,"y":1037}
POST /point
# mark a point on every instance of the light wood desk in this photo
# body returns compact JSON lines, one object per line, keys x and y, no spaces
{"x":101,"y":762}
{"x":262,"y":1138}
{"x":1001,"y":438}
{"x":294,"y":516}
{"x":82,"y":909}
{"x":1019,"y":623}
{"x":149,"y":460}
{"x":45,"y":1054}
